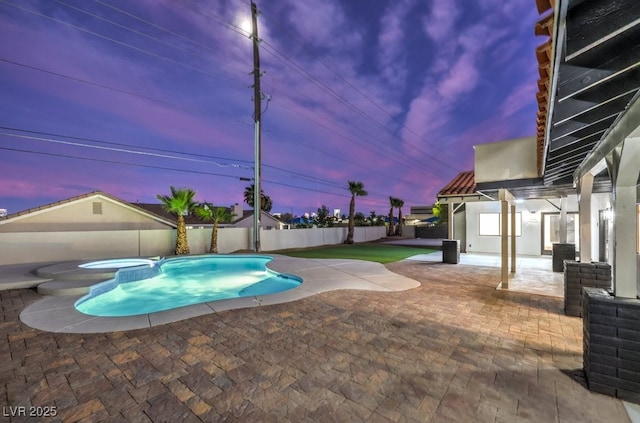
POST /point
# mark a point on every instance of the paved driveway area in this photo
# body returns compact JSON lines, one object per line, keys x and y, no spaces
{"x":454,"y":349}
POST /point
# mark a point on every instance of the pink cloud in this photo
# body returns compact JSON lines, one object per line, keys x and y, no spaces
{"x":440,"y":22}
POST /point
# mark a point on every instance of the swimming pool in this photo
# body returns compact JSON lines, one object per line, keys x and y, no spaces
{"x":178,"y":282}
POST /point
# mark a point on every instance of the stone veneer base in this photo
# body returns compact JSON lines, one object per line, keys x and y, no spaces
{"x":579,"y":275}
{"x":611,"y":353}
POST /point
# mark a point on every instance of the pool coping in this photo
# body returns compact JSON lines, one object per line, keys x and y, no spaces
{"x":58,"y":314}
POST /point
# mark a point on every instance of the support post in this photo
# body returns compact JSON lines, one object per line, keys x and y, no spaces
{"x":563,"y":221}
{"x":504,"y":245}
{"x":584,"y":206}
{"x":505,"y":199}
{"x":625,"y":168}
{"x":450,"y":210}
{"x":513,"y":238}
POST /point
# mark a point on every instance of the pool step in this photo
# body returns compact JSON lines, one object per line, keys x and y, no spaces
{"x":61,"y":287}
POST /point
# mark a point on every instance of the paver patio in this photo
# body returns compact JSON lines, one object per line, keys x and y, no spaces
{"x":454,"y":349}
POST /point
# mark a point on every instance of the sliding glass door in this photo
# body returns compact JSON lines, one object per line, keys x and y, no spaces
{"x":551,"y":230}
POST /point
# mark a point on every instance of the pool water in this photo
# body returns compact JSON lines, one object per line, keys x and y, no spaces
{"x":178,"y":282}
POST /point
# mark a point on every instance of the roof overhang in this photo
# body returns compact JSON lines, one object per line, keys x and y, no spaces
{"x":594,"y":86}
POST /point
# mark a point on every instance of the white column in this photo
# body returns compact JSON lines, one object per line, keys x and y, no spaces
{"x":563,"y":220}
{"x":584,"y":206}
{"x":625,"y":216}
{"x":504,"y":245}
{"x":513,"y":238}
{"x":450,"y":229}
{"x":505,"y":198}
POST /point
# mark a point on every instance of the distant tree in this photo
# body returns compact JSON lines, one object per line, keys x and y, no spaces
{"x":357,"y":190}
{"x":306,"y":222}
{"x":399,"y":205}
{"x":391,"y":230}
{"x":265,"y":201}
{"x":217,"y":215}
{"x":360,"y":219}
{"x":323,"y":218}
{"x":373,"y":218}
{"x":441,"y":212}
{"x":287,"y":217}
{"x":179,"y":203}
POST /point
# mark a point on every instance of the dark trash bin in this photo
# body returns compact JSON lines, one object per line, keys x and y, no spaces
{"x":451,"y":251}
{"x":560,"y":253}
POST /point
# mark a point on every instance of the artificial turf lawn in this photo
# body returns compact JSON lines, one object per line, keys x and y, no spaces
{"x":378,"y":253}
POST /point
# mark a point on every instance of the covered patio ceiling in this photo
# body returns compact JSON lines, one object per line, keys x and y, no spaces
{"x":589,"y":79}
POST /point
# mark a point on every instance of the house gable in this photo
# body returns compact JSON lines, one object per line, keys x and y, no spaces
{"x":267,"y":221}
{"x":96,"y":211}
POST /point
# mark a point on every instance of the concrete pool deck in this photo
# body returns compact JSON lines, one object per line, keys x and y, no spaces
{"x":452,"y":349}
{"x":58,"y":314}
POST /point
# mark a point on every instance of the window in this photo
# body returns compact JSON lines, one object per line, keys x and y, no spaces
{"x":489,"y":224}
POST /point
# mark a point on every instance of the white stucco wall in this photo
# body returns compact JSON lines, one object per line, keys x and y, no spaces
{"x":506,"y":160}
{"x":530,"y":243}
{"x":32,"y":247}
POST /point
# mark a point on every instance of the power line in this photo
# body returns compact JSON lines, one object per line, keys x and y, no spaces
{"x":120,"y":150}
{"x":352,"y":86}
{"x":117,"y":162}
{"x":84,"y":81}
{"x":297,"y":68}
{"x":235,"y":28}
{"x":120,"y":43}
{"x":124,"y":145}
{"x":73,"y":26}
{"x":235,"y":165}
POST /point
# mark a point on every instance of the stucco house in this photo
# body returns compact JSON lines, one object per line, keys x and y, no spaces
{"x":476,"y":212}
{"x":100,"y":225}
{"x":94,"y":211}
{"x":583,"y":163}
{"x":99,"y":211}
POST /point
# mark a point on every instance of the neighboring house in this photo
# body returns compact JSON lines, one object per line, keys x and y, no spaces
{"x":244,"y":219}
{"x":99,"y":211}
{"x":420,"y":215}
{"x":191,"y":220}
{"x":94,"y":211}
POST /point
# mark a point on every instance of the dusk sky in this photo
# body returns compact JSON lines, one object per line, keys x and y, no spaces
{"x":130,"y":97}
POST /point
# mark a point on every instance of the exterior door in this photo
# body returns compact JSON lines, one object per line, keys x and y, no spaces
{"x":551,"y":231}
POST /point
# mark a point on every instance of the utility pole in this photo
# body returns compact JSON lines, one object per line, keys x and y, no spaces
{"x":257,"y":96}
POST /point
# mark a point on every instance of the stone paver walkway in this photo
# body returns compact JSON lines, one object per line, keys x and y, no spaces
{"x":454,"y":349}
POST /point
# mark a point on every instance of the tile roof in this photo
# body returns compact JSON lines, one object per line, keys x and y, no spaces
{"x":157,"y":208}
{"x":544,"y":27}
{"x":463,"y":184}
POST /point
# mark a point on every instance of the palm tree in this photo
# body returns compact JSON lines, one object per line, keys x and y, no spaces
{"x":180,"y":203}
{"x":390,"y":229}
{"x":356,"y":189}
{"x":399,"y":205}
{"x":265,"y":201}
{"x":209,"y":213}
